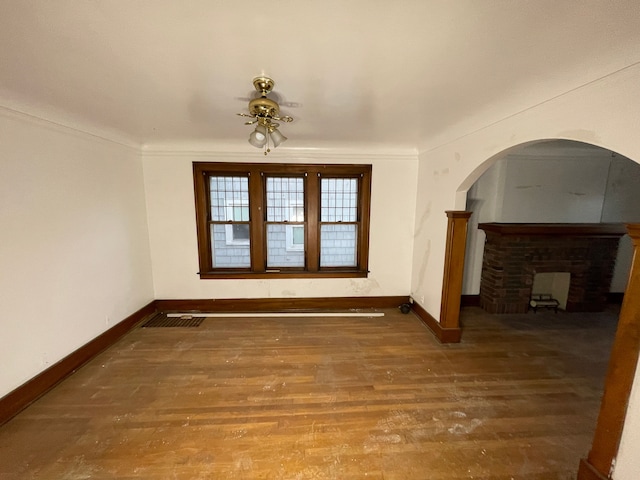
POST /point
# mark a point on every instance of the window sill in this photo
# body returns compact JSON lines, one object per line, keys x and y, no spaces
{"x":283,"y":274}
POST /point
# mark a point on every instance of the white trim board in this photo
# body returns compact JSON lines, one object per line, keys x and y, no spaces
{"x":276,"y":314}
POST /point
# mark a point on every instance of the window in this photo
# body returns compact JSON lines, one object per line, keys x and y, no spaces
{"x":338,"y":221}
{"x":282,"y":220}
{"x":295,"y":238}
{"x":285,"y":215}
{"x":229,"y":224}
{"x":237,"y":233}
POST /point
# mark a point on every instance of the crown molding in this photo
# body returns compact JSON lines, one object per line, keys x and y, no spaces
{"x":220,"y":151}
{"x":291,"y":155}
{"x":70,"y":128}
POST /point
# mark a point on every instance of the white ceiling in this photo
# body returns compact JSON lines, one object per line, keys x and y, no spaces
{"x":402,"y":75}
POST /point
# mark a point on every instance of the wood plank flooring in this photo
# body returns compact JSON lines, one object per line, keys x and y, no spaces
{"x":324,"y":398}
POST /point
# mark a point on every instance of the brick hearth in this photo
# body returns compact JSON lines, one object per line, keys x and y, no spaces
{"x":515,"y":252}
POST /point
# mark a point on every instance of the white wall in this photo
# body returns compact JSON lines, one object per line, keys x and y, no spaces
{"x":170,"y":204}
{"x":603,"y":113}
{"x":622,"y":204}
{"x":74,"y":255}
{"x":484,"y":199}
{"x":554,"y":182}
{"x":539,"y":189}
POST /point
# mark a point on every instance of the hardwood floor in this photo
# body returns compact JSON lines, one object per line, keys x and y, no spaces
{"x":324,"y":398}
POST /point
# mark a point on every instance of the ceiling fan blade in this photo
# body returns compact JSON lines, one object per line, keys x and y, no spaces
{"x":275,"y":97}
{"x":291,"y":104}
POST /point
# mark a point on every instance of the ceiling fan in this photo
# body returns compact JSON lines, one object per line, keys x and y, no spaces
{"x":265,"y":112}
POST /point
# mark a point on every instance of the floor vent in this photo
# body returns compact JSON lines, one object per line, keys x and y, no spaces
{"x":161,"y":320}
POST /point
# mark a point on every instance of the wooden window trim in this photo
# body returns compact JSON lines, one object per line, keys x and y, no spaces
{"x":257,"y":196}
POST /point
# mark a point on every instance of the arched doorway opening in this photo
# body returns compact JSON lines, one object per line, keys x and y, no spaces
{"x":556,"y":181}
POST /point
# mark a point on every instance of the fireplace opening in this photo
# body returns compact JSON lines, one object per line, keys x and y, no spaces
{"x":553,"y":285}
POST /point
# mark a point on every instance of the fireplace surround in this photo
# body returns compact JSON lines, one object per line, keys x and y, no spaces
{"x":515,"y":252}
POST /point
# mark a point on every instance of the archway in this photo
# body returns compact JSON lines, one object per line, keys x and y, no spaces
{"x":624,"y":355}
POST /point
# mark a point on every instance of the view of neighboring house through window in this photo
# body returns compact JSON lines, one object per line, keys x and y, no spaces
{"x":285,"y":222}
{"x":282,"y":220}
{"x":339,"y":226}
{"x":229,"y":226}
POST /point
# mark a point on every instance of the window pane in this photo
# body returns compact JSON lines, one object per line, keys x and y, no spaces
{"x":285,"y":199}
{"x":339,"y":200}
{"x":240,"y":231}
{"x":240,"y":213}
{"x":229,"y":198}
{"x":297,"y":237}
{"x":338,"y":245}
{"x":281,"y":248}
{"x":226,"y":254}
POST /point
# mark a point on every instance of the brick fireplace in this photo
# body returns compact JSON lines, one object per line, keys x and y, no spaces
{"x":515,"y":252}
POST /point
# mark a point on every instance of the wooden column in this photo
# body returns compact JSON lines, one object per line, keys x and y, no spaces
{"x":620,"y":376}
{"x":453,"y":268}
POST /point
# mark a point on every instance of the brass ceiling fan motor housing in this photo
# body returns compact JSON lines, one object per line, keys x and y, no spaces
{"x":264,"y":107}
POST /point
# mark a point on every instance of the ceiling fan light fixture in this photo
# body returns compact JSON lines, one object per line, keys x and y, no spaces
{"x":265,"y":111}
{"x":277,"y":138}
{"x":258,"y":139}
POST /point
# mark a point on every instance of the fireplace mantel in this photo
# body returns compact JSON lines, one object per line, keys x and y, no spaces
{"x":563,"y":229}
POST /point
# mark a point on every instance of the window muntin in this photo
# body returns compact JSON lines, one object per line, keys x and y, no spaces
{"x":292,"y":220}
